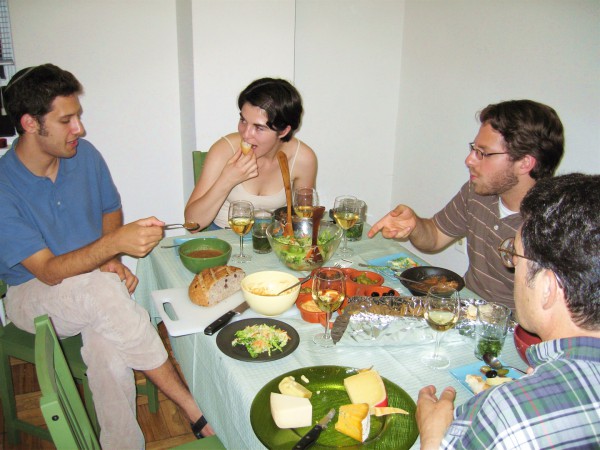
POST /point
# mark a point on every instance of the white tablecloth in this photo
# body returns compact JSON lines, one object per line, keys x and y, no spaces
{"x":225,"y":387}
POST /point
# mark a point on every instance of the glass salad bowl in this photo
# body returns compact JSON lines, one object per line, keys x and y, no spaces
{"x":297,"y":252}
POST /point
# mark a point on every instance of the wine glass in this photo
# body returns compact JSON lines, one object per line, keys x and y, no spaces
{"x":441,"y":313}
{"x":241,"y":218}
{"x":328,"y":292}
{"x":346,"y":212}
{"x":305,"y":199}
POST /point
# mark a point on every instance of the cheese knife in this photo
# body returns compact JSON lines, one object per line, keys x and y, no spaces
{"x":225,"y":318}
{"x":311,"y":437}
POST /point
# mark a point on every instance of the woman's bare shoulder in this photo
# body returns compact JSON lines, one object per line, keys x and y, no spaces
{"x":224,"y":144}
{"x":305,"y":153}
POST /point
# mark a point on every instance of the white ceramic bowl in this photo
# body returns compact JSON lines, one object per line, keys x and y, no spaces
{"x":259,"y":290}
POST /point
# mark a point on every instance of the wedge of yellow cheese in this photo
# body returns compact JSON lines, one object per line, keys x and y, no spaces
{"x":290,"y":412}
{"x":366,"y":387}
{"x":289,"y":386}
{"x":354,"y":421}
{"x":387,"y":410}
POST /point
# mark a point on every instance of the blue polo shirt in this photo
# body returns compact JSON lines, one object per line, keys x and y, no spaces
{"x":62,"y":216}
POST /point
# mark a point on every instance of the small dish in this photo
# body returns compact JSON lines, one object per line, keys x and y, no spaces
{"x":460,"y":373}
{"x":376,"y":291}
{"x":309,"y":310}
{"x":523,"y":340}
{"x":352,"y":275}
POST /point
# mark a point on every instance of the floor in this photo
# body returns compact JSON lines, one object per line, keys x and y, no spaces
{"x":165,"y":429}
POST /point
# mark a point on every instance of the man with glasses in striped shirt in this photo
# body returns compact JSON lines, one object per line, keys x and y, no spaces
{"x":556,"y":257}
{"x":519,"y":142}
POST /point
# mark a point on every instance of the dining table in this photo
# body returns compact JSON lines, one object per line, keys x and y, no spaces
{"x":225,"y":387}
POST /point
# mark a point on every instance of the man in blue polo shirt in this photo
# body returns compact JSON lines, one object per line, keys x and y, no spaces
{"x":556,"y":256}
{"x":61,"y":236}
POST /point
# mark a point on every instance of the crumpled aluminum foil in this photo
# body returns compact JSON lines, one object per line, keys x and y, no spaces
{"x":397,"y":319}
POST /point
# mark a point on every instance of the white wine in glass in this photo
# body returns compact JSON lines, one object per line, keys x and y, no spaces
{"x":328,"y":292}
{"x":304,"y":201}
{"x":241,"y":219}
{"x":346,"y":211}
{"x":441,"y":314}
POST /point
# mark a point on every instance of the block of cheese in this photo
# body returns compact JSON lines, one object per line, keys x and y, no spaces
{"x":290,"y":412}
{"x":366,"y":387}
{"x":289,"y":386}
{"x":354,"y":421}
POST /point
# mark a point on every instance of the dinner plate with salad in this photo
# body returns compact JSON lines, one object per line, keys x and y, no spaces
{"x":258,"y":340}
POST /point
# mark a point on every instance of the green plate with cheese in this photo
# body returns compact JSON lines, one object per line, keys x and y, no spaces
{"x":396,"y":431}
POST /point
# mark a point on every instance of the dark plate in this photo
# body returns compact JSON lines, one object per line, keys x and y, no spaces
{"x":239,"y":352}
{"x":422,"y":273}
{"x":396,"y":431}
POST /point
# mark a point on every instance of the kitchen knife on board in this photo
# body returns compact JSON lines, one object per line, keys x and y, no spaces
{"x":225,"y":318}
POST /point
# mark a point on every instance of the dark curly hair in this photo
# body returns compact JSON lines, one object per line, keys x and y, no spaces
{"x":528,"y":128}
{"x":279,"y":99}
{"x":32,"y":91}
{"x":561,"y":232}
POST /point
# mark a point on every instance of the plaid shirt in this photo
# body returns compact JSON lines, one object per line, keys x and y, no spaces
{"x":558,"y":406}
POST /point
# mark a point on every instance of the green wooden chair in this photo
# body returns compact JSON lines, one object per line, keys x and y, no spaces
{"x":198,"y":158}
{"x":20,"y":344}
{"x":63,"y":411}
{"x":61,"y":405}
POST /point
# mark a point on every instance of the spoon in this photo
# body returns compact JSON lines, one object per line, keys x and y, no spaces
{"x":288,"y":230}
{"x":190,"y":226}
{"x":495,"y":363}
{"x":294,"y":285}
{"x":314,"y":254}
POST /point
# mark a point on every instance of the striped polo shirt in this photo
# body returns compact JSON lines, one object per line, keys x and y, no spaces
{"x":477,"y":217}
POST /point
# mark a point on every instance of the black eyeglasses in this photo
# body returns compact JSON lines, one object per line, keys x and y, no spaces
{"x":480,"y":154}
{"x":509,"y":256}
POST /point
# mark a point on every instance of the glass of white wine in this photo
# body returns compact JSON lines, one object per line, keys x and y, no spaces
{"x":328,"y":292}
{"x":441,"y":313}
{"x":241,"y":218}
{"x":304,"y":200}
{"x":346,"y":212}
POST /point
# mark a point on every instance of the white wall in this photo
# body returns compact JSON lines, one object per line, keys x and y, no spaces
{"x":391,"y":87}
{"x":458,"y":58}
{"x":348,"y":55}
{"x":125,"y":55}
{"x":236,"y":42}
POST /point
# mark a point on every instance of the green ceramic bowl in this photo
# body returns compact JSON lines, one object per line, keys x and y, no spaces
{"x":202,"y":253}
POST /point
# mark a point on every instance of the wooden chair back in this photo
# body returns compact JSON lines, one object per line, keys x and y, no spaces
{"x":60,"y":403}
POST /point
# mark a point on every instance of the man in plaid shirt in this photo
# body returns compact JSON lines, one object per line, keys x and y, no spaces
{"x":556,"y":257}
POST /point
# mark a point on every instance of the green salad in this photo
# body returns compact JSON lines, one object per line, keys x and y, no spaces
{"x":261,"y":338}
{"x":293,"y":251}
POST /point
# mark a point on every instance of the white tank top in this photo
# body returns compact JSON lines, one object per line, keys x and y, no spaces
{"x":239,"y":192}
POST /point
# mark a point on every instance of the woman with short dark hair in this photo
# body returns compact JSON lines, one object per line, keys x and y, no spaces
{"x":270,"y":114}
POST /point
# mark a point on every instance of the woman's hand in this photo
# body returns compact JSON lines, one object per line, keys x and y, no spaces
{"x":240,"y":168}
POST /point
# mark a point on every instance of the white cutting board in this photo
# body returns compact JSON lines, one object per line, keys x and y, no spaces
{"x":191,"y":318}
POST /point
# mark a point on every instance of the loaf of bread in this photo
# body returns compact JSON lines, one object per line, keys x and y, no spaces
{"x":215,"y":284}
